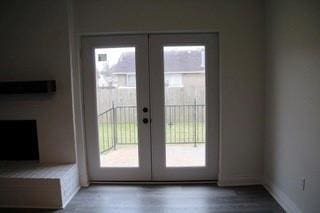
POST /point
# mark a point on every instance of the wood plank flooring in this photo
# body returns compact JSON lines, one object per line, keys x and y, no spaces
{"x":167,"y":199}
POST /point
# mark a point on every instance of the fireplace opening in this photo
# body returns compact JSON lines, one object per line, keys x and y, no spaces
{"x":18,"y":140}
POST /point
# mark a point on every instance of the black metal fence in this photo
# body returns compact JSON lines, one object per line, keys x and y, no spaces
{"x":185,"y":124}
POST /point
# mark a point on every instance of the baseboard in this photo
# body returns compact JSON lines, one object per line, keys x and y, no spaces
{"x":240,"y":181}
{"x":282,"y":198}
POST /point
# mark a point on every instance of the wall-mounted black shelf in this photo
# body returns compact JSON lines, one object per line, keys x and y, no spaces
{"x":27,"y":87}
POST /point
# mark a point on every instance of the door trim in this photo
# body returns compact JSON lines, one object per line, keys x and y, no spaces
{"x":215,"y":126}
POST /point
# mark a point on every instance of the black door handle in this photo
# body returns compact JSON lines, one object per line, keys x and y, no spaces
{"x":145,"y":120}
{"x":145,"y":109}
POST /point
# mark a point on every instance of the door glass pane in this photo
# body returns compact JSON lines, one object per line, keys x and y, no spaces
{"x":117,"y":106}
{"x":185,"y":105}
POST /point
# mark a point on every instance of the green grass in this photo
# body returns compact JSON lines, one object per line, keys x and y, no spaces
{"x":127,"y":133}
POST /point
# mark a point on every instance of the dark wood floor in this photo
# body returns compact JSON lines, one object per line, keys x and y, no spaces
{"x":170,"y":198}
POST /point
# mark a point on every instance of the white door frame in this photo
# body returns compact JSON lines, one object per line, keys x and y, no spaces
{"x":159,"y":171}
{"x":95,"y":172}
{"x":152,"y":61}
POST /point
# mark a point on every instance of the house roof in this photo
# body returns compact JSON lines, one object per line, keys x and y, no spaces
{"x":174,"y":61}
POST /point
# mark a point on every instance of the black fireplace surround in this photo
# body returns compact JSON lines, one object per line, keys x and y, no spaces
{"x":18,"y":140}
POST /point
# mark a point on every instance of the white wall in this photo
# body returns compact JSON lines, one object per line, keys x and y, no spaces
{"x":293,"y":103}
{"x":35,"y":46}
{"x":241,"y":28}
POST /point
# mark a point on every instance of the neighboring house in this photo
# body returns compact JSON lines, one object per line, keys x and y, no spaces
{"x":106,"y":82}
{"x":183,"y":68}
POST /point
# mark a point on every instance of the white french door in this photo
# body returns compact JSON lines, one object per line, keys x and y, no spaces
{"x":106,"y":92}
{"x":198,"y":100}
{"x":151,"y":107}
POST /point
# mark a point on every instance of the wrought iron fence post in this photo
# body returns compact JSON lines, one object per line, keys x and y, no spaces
{"x":103,"y":140}
{"x":195,"y":122}
{"x":114,"y":120}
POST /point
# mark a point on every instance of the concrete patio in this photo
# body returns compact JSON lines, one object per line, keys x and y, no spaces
{"x":177,"y":155}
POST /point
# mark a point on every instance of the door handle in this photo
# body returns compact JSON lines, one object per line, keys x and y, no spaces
{"x":145,"y":120}
{"x":145,"y":109}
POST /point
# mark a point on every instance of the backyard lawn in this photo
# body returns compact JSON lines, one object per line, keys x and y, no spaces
{"x":126,"y":133}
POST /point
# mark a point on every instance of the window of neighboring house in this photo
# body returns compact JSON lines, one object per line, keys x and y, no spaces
{"x":131,"y":80}
{"x":174,"y":80}
{"x":102,"y":57}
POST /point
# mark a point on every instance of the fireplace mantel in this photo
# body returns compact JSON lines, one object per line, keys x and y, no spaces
{"x":27,"y":87}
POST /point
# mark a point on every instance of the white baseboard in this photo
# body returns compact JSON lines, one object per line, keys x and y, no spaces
{"x":282,"y":198}
{"x":240,"y":181}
